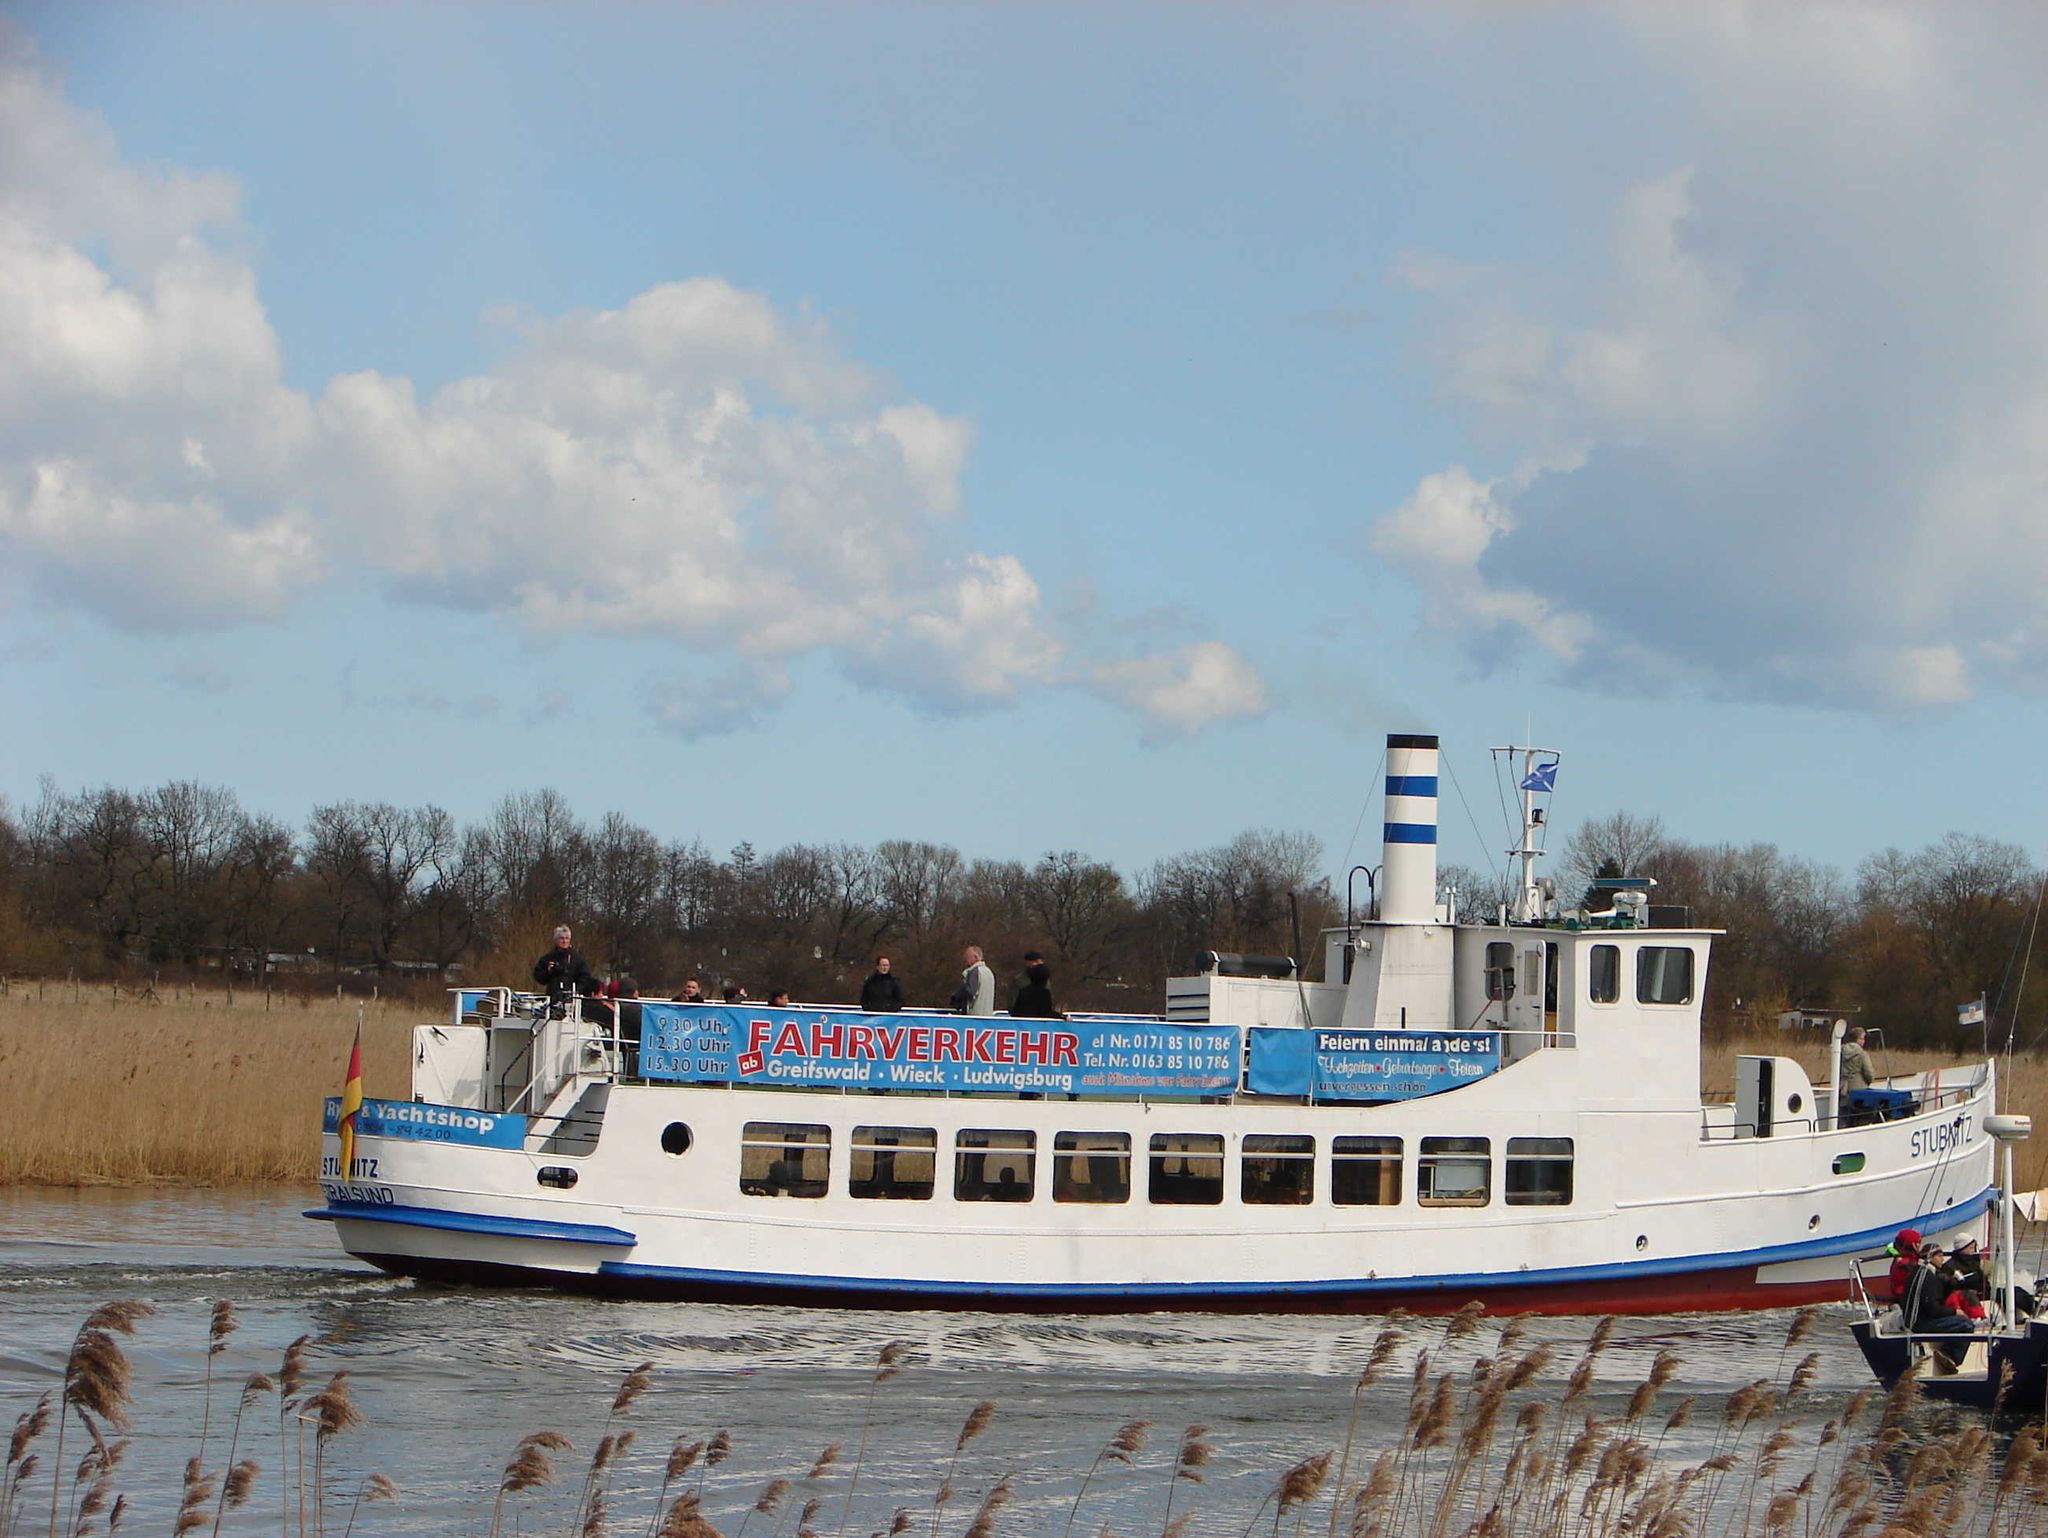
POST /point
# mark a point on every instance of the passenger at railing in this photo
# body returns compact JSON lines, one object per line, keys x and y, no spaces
{"x":1905,"y":1253}
{"x":1034,"y":994}
{"x":692,"y":992}
{"x":882,"y":993}
{"x":565,"y":975}
{"x":778,"y":998}
{"x":1856,"y":1069}
{"x":1966,"y":1266}
{"x":976,"y":994}
{"x":735,"y":994}
{"x":1925,"y":1306}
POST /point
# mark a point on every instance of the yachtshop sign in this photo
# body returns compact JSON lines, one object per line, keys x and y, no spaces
{"x":1368,"y":1065}
{"x":419,"y":1122}
{"x":727,"y":1044}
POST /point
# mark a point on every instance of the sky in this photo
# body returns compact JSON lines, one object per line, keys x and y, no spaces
{"x":1032,"y":427}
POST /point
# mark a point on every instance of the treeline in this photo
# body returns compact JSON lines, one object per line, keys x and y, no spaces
{"x":183,"y":877}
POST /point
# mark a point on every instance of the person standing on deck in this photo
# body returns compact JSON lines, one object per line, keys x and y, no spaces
{"x":976,"y":994}
{"x":1856,"y":1070}
{"x":565,"y":974}
{"x":882,"y":993}
{"x":1034,"y":994}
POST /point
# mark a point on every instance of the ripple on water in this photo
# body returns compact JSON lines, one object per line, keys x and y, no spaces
{"x":451,"y":1377}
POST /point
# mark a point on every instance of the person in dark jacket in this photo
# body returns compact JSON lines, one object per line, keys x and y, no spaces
{"x":1966,"y":1266}
{"x":1034,"y":994}
{"x":1926,"y":1310}
{"x":882,"y":993}
{"x":565,"y":974}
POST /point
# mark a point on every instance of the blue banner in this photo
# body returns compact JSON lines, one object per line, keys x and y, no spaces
{"x":1081,"y":1055}
{"x":424,"y":1123}
{"x":1367,"y":1065}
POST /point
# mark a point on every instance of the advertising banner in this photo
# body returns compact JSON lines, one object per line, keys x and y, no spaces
{"x":1081,"y":1055}
{"x":424,"y":1123}
{"x":1368,"y":1065}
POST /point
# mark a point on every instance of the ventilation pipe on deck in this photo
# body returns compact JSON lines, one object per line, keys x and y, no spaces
{"x":1408,"y":880}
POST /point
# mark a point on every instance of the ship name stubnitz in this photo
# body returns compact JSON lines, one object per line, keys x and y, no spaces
{"x":1945,"y":1138}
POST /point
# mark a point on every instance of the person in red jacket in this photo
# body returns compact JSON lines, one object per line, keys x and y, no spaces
{"x":1905,"y":1253}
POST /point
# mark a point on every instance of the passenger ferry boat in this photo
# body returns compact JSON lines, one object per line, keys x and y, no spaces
{"x":1507,"y":1109}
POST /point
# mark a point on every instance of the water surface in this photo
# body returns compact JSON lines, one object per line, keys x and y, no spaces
{"x":451,"y":1378}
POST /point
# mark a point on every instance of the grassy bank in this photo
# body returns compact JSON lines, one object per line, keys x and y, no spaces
{"x":99,"y":1087}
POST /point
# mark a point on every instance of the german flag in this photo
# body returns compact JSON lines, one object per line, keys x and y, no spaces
{"x":351,"y":1104}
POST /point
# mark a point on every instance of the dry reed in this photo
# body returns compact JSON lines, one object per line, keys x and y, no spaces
{"x":101,"y":1092}
{"x":1494,"y":1444}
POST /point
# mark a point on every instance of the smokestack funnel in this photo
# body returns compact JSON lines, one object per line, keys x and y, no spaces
{"x":1408,"y":858}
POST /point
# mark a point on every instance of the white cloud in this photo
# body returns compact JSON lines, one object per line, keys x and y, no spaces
{"x":733,"y":699}
{"x":1183,"y":691}
{"x":158,"y":565}
{"x":1787,"y":437}
{"x":696,"y":465}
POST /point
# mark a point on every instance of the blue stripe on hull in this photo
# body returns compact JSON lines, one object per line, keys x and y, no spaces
{"x":867,"y":1291}
{"x":478,"y":1223}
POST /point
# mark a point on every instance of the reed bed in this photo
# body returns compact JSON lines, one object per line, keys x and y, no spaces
{"x":99,"y":1087}
{"x":1454,"y":1428}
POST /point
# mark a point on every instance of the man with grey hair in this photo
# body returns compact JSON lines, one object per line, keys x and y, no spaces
{"x":562,"y":972}
{"x":976,"y":994}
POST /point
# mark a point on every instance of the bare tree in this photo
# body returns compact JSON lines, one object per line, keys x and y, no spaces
{"x":919,"y":882}
{"x":1082,"y":907}
{"x":338,"y":860}
{"x":1619,"y":844}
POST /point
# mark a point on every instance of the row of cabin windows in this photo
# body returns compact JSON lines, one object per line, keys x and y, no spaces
{"x":1663,"y":973}
{"x":1183,"y":1169}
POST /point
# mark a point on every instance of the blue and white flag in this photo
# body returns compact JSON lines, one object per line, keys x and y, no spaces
{"x":1971,"y":1013}
{"x":1542,"y":777}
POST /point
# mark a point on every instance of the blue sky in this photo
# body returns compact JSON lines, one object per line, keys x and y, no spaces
{"x":1030,"y":427}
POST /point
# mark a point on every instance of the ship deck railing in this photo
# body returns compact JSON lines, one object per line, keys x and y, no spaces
{"x":601,"y":1053}
{"x":1933,"y":1091}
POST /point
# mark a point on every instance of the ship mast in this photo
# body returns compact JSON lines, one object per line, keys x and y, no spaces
{"x":1535,"y":779}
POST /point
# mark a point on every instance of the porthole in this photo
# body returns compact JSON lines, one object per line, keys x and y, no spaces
{"x":1642,"y":1241}
{"x":1795,"y":1103}
{"x":675,"y":1139}
{"x":1848,"y":1163}
{"x":559,"y":1176}
{"x":1813,"y":1222}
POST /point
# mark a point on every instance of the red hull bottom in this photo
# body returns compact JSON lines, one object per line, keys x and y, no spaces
{"x":1716,"y":1291}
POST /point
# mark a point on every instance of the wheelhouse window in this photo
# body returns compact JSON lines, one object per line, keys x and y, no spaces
{"x":1539,"y":1172}
{"x":1663,"y":974}
{"x":1603,"y":974}
{"x":1091,"y":1167}
{"x":893,"y":1163}
{"x":780,"y":1158}
{"x":1187,"y":1169}
{"x":1365,"y":1171}
{"x":1454,"y":1172}
{"x":993,"y":1165}
{"x":1278,"y":1171}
